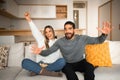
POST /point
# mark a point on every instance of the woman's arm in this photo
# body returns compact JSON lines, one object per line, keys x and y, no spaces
{"x":35,"y":32}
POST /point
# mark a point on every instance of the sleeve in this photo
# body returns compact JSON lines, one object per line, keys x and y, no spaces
{"x":96,"y":40}
{"x":37,"y":34}
{"x":53,"y":57}
{"x":52,"y":49}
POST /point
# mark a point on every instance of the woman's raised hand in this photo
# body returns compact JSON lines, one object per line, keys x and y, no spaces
{"x":27,"y":16}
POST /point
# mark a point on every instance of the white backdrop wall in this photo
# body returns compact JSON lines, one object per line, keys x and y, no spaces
{"x":92,"y":18}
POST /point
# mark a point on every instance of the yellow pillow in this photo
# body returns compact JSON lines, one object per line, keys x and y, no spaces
{"x":98,"y":54}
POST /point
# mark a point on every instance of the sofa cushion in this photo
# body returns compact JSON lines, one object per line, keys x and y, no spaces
{"x":101,"y":73}
{"x":24,"y":75}
{"x":115,"y":51}
{"x":108,"y":73}
{"x":16,"y":54}
{"x":9,"y":73}
{"x":98,"y":54}
{"x":29,"y":54}
{"x":3,"y":56}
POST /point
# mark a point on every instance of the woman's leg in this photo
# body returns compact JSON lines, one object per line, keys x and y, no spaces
{"x":35,"y":67}
{"x":31,"y":66}
{"x":57,"y":65}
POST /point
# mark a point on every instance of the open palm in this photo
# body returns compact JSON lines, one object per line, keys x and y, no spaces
{"x":36,"y":50}
{"x":106,"y":28}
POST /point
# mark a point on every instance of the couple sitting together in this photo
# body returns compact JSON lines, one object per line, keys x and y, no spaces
{"x":64,"y":54}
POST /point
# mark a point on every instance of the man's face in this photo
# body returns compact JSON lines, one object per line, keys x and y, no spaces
{"x":69,"y":31}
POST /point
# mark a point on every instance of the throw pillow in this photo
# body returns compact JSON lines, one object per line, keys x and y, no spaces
{"x":98,"y":54}
{"x":3,"y":56}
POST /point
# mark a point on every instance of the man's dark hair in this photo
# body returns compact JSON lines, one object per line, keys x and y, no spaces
{"x":70,"y":23}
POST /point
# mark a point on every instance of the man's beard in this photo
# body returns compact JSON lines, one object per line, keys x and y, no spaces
{"x":69,"y":35}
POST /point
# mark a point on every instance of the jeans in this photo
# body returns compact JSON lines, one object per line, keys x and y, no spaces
{"x":81,"y":66}
{"x":35,"y":67}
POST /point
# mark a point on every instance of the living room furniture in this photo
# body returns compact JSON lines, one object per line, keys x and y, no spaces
{"x":18,"y":51}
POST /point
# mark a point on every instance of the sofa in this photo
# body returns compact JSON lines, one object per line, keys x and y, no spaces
{"x":18,"y":51}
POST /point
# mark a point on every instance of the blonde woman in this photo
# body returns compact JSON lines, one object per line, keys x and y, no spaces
{"x":52,"y":63}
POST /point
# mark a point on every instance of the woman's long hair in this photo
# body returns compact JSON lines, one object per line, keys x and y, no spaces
{"x":46,"y":39}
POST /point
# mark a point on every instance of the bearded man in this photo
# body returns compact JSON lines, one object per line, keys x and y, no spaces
{"x":72,"y":47}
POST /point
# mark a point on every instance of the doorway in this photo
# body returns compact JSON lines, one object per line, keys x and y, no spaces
{"x":80,"y":14}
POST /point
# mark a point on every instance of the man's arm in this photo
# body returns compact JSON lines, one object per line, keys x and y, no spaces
{"x":42,"y":52}
{"x":50,"y":50}
{"x":96,"y":40}
{"x":105,"y":30}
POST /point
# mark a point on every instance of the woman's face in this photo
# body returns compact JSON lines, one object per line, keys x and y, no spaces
{"x":49,"y":33}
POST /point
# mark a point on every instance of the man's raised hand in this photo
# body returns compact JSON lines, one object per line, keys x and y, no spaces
{"x":106,"y":28}
{"x":36,"y":50}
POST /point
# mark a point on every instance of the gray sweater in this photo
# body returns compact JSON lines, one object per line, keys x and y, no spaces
{"x":73,"y":50}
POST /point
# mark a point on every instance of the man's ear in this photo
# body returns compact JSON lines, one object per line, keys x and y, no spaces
{"x":75,"y":30}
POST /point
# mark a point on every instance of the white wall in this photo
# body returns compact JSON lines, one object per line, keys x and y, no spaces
{"x":92,"y":21}
{"x":92,"y":17}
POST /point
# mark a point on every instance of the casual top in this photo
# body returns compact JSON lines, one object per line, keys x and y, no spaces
{"x":73,"y":50}
{"x":40,"y":40}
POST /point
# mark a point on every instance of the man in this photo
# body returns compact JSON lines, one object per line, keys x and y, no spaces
{"x":72,"y":47}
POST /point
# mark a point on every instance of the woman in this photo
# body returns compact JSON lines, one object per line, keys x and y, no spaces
{"x":49,"y":65}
